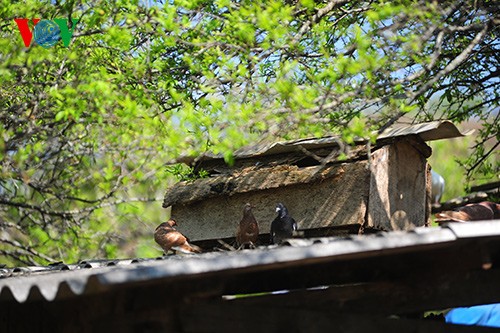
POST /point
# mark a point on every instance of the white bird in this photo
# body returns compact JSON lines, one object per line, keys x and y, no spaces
{"x":437,"y":187}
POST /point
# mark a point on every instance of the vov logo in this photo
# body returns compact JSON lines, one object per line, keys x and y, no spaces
{"x":46,"y":33}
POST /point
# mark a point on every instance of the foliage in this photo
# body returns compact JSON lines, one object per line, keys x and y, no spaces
{"x":448,"y":167}
{"x":86,"y":129}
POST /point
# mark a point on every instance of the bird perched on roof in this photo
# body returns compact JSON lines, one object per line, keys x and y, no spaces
{"x":248,"y":229}
{"x":485,"y":210}
{"x":437,"y":189}
{"x":169,"y":238}
{"x":283,"y":225}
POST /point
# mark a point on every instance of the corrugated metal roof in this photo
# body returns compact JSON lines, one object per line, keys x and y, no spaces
{"x":64,"y":281}
{"x":430,"y":131}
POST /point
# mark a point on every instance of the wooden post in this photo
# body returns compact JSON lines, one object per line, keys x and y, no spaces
{"x":399,"y":186}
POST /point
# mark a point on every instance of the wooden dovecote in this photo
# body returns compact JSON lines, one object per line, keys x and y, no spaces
{"x":385,"y":186}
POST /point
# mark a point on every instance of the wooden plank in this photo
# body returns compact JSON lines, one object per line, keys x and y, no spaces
{"x":486,"y":187}
{"x":433,"y":277}
{"x":248,"y":180}
{"x":399,"y":296}
{"x":428,"y":194}
{"x":336,"y":197}
{"x":398,"y":186}
{"x":488,"y":195}
{"x":264,"y":237}
{"x":224,"y":317}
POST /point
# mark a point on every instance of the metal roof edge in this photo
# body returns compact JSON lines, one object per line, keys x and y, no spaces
{"x":473,"y":229}
{"x":55,"y":285}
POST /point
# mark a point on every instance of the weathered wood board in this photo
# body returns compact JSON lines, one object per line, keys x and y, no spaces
{"x":399,"y":187}
{"x":247,"y":180}
{"x":340,"y":199}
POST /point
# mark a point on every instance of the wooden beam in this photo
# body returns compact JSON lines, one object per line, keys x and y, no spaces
{"x":264,"y":237}
{"x":421,"y":293}
{"x":228,"y":317}
{"x":486,"y":187}
{"x":248,"y":180}
{"x":488,"y":195}
{"x":398,"y":186}
{"x":433,"y":278}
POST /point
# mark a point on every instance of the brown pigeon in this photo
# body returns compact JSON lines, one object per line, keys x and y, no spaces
{"x":485,"y":210}
{"x":248,"y":229}
{"x":169,"y":238}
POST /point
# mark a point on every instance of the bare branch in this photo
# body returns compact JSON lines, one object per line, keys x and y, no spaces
{"x":482,"y":158}
{"x":26,"y":249}
{"x":454,"y":63}
{"x":307,"y":25}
